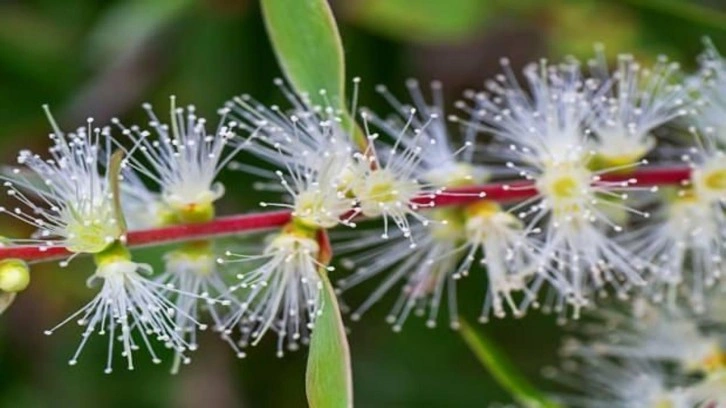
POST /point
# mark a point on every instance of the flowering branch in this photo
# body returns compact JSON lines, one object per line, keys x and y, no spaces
{"x":235,"y":224}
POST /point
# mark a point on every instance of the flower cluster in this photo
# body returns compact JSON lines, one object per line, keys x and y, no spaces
{"x":566,"y":219}
{"x":648,"y":357}
{"x":573,"y":140}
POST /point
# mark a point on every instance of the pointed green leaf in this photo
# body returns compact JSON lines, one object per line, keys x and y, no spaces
{"x":496,"y":362}
{"x":308,"y":47}
{"x":114,"y":179}
{"x":328,"y":379}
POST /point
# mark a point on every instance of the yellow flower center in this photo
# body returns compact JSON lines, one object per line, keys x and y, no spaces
{"x":195,"y":256}
{"x":664,"y":401}
{"x":380,"y":189}
{"x":294,"y":240}
{"x":91,"y":236}
{"x":714,"y":362}
{"x":709,"y":180}
{"x":456,"y":175}
{"x":486,"y":217}
{"x":716,"y":180}
{"x":566,"y":186}
{"x":483,"y":208}
{"x":307,"y":205}
{"x":448,"y":225}
{"x":194,"y":212}
{"x":313,"y":209}
{"x":383,"y":191}
{"x":115,"y":252}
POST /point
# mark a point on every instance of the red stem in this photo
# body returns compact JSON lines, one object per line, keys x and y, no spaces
{"x":156,"y":236}
{"x":235,"y":224}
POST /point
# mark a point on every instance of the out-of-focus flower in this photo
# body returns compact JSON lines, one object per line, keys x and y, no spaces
{"x":647,"y":357}
{"x":710,"y":84}
{"x":684,"y":246}
{"x":602,"y":383}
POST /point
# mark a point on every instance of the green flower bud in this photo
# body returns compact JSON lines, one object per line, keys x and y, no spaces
{"x":14,"y":275}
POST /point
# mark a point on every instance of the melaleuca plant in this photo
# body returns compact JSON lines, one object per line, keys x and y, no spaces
{"x":552,"y":189}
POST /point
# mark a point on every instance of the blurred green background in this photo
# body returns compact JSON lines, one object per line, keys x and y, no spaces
{"x":104,"y":58}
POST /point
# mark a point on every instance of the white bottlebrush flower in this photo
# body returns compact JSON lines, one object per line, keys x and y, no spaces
{"x":427,"y":271}
{"x":67,"y":196}
{"x":446,"y":249}
{"x":182,"y":159}
{"x":389,"y":190}
{"x":440,"y":163}
{"x":430,"y":265}
{"x":445,"y":252}
{"x":319,"y":195}
{"x":290,"y":138}
{"x":131,"y":310}
{"x":711,"y":85}
{"x":396,"y":175}
{"x":603,"y":383}
{"x":315,"y":142}
{"x":646,"y":357}
{"x":665,"y":338}
{"x":196,"y":285}
{"x":685,"y":249}
{"x":685,"y":244}
{"x":143,"y":207}
{"x":549,"y":144}
{"x":550,"y":123}
{"x":507,"y":254}
{"x":312,"y":148}
{"x":280,"y":290}
{"x":654,"y":334}
{"x":631,"y":103}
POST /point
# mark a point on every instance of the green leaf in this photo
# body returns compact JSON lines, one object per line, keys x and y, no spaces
{"x":429,"y":20}
{"x":6,"y":299}
{"x":114,"y":179}
{"x":496,"y":362}
{"x":308,"y":47}
{"x":328,"y":379}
